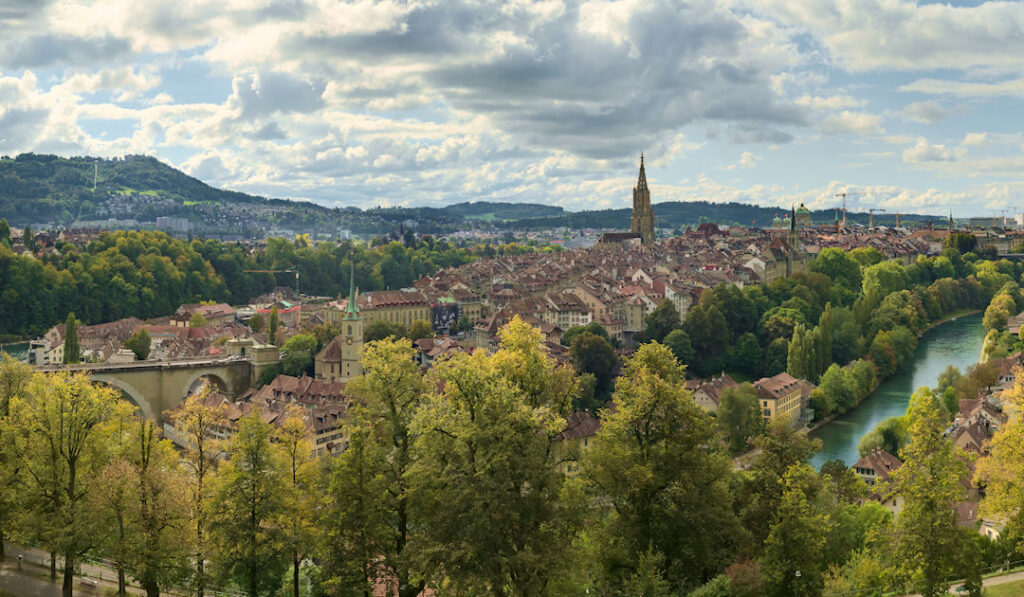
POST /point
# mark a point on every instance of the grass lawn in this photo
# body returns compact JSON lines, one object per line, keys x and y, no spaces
{"x":1010,"y":589}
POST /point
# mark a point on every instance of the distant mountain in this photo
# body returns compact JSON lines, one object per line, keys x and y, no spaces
{"x":84,"y":190}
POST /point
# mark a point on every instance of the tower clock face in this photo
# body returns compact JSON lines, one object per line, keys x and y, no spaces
{"x":348,"y":340}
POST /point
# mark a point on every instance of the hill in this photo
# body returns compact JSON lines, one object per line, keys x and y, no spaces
{"x":134,"y":190}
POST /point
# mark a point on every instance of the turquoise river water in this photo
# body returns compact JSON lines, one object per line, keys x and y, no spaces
{"x":957,"y":342}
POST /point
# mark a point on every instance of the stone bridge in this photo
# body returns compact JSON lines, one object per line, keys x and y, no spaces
{"x":157,"y":386}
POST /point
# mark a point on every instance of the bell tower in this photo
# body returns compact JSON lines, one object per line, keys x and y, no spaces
{"x":351,"y":339}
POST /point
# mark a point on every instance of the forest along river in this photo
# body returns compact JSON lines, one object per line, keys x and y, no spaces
{"x":956,"y":342}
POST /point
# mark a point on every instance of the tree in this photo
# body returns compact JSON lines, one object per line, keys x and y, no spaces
{"x":29,"y":240}
{"x":592,"y":327}
{"x":747,"y":355}
{"x":839,"y":266}
{"x":679,"y":343}
{"x":592,"y":354}
{"x":139,"y":343}
{"x":651,"y":467}
{"x":709,"y":334}
{"x":256,"y":322}
{"x":72,"y":351}
{"x":420,"y":329}
{"x":299,"y":506}
{"x":246,"y":525}
{"x":660,"y":322}
{"x":5,"y":233}
{"x":800,"y":362}
{"x":297,"y":355}
{"x":998,"y":312}
{"x":890,"y":435}
{"x":200,"y":423}
{"x":839,"y":388}
{"x":369,"y":518}
{"x":491,"y":517}
{"x":781,"y":447}
{"x":144,"y":494}
{"x":962,"y":242}
{"x":792,"y":554}
{"x":382,"y":329}
{"x":739,"y":416}
{"x":197,"y":320}
{"x":925,"y":544}
{"x":14,"y":383}
{"x":62,"y":421}
{"x":275,"y":322}
{"x":1003,"y":468}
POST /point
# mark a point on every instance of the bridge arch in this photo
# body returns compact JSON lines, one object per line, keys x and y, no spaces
{"x":134,"y":396}
{"x":221,"y":384}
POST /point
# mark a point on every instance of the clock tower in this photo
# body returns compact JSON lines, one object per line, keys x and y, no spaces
{"x":339,"y":359}
{"x":351,"y":334}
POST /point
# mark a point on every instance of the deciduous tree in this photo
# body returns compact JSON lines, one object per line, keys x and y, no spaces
{"x":652,"y":467}
{"x":739,"y":416}
{"x":72,"y":351}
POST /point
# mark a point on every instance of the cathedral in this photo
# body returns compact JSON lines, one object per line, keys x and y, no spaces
{"x":643,"y":216}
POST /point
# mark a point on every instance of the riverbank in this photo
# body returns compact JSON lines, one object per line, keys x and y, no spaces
{"x":953,"y":340}
{"x":950,"y":317}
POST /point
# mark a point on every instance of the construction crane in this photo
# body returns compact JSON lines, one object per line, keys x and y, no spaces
{"x":278,"y":271}
{"x":871,"y":216}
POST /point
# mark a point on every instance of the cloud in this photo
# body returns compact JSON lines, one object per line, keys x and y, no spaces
{"x":928,"y":112}
{"x":926,"y":152}
{"x":846,"y":121}
{"x":45,"y":50}
{"x":747,"y":160}
{"x":1009,"y":88}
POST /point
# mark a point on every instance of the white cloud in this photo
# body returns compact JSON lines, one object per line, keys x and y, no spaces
{"x":926,"y":152}
{"x":852,"y":122}
{"x":928,"y":112}
{"x":747,"y":160}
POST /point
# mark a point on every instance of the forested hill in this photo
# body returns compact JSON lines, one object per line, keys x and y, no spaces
{"x":47,"y":189}
{"x":679,"y":214}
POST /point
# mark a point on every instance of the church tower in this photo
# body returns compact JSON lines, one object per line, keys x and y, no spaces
{"x":339,"y":359}
{"x":643,"y":217}
{"x":351,"y":334}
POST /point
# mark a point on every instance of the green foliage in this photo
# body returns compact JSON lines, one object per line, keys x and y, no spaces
{"x":999,"y":311}
{"x":592,"y":327}
{"x":382,"y":329}
{"x":197,"y":320}
{"x":781,"y":447}
{"x":72,"y":350}
{"x":494,"y":513}
{"x":139,"y":343}
{"x":420,"y":329}
{"x":890,"y":435}
{"x":660,"y":322}
{"x":801,"y":362}
{"x":248,"y":509}
{"x":297,"y":355}
{"x":719,"y":586}
{"x":679,"y":343}
{"x":594,"y":355}
{"x":709,"y":336}
{"x":840,"y":266}
{"x":739,"y":416}
{"x":962,"y":242}
{"x":651,"y":469}
{"x":273,"y":324}
{"x":5,"y":233}
{"x":256,"y":322}
{"x":839,"y":388}
{"x":792,"y":561}
{"x":926,"y":543}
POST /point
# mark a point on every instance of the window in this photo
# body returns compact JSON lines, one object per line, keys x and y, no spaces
{"x":350,"y":329}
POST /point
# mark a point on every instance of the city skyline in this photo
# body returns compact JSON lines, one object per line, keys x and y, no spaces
{"x":906,"y":106}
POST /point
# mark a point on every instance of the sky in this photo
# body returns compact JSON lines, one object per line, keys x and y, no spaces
{"x":905,"y":106}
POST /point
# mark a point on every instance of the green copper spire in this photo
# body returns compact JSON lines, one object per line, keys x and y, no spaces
{"x":353,"y":309}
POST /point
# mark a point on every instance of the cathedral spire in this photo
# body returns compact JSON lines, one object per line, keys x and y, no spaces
{"x":641,"y":182}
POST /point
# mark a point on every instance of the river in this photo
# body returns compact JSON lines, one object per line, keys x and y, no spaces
{"x":18,"y":350}
{"x":957,"y":342}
